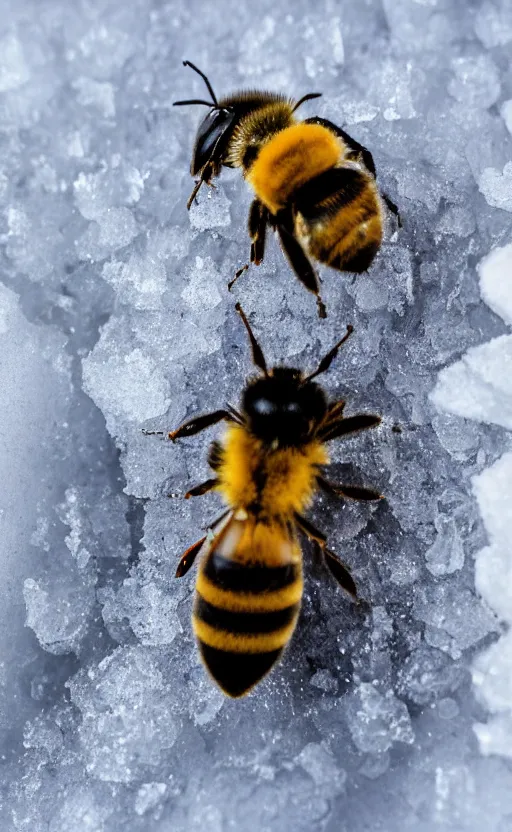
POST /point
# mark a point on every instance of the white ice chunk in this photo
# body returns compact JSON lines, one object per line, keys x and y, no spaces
{"x":476,"y":82}
{"x":493,"y":490}
{"x":129,"y":386}
{"x":96,"y":94}
{"x":446,"y":554}
{"x":479,"y":386}
{"x":149,"y":796}
{"x":14,"y":71}
{"x":493,"y":25}
{"x":496,"y":187}
{"x":140,"y":282}
{"x":506,"y":113}
{"x":210,"y":212}
{"x":455,"y":616}
{"x":129,"y":717}
{"x":495,"y":272}
{"x":319,"y":762}
{"x":58,"y":613}
{"x":377,"y":720}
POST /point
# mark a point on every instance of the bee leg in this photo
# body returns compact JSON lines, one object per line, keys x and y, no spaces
{"x":352,"y":424}
{"x":337,"y":568}
{"x":327,"y":360}
{"x":300,"y":264}
{"x":215,"y":455}
{"x":356,"y":148}
{"x":238,"y":274}
{"x":194,"y":425}
{"x":340,"y":572}
{"x":393,"y":208}
{"x":353,"y":492}
{"x":257,"y":227}
{"x":311,"y":532}
{"x":206,"y":175}
{"x":203,"y":488}
{"x":257,"y":353}
{"x":188,"y":558}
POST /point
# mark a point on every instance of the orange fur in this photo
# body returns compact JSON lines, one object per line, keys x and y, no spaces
{"x":291,"y":158}
{"x":290,"y":474}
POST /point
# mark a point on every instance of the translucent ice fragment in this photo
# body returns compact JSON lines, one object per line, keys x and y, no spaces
{"x":377,"y":720}
{"x":479,"y":386}
{"x":495,"y":272}
{"x":497,"y":187}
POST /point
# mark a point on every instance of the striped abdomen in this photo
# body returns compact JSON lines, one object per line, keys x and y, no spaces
{"x":244,"y":615}
{"x":340,"y":218}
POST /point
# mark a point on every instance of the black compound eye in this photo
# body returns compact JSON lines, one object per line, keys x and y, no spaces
{"x":292,"y":407}
{"x":216,"y":123}
{"x":264,"y":407}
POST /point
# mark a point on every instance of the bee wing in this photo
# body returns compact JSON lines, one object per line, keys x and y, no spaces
{"x":203,"y":546}
{"x":248,"y":596}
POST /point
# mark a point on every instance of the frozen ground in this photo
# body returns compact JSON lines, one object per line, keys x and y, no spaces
{"x":114,"y":315}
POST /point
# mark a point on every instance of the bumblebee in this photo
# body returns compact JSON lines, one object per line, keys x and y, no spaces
{"x":267,"y":467}
{"x":313,"y":183}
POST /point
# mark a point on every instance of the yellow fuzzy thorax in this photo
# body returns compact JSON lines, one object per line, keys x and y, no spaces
{"x":288,"y":474}
{"x":257,"y":128}
{"x":290,"y":159}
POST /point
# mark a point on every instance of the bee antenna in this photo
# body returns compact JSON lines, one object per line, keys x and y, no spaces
{"x":205,"y":79}
{"x":327,"y":360}
{"x":193,"y":101}
{"x":257,"y":353}
{"x":307,"y":97}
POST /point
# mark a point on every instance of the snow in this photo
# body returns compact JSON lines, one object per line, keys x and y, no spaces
{"x":115,"y":316}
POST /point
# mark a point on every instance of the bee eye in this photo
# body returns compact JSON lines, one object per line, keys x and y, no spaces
{"x":264,"y":407}
{"x":292,"y":407}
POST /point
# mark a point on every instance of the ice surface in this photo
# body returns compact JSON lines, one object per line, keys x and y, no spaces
{"x":115,"y":316}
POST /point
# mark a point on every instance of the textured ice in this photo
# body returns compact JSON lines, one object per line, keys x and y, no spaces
{"x":115,"y":316}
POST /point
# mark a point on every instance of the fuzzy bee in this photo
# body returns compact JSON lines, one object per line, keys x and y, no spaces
{"x":267,"y":468}
{"x":313,"y":183}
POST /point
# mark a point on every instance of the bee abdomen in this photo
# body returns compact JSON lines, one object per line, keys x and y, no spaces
{"x":244,"y":615}
{"x":342,"y":212}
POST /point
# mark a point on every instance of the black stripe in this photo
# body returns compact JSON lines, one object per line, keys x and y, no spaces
{"x":236,"y":673}
{"x":240,"y":577}
{"x":338,"y":185}
{"x":359,"y":262}
{"x":243,"y":622}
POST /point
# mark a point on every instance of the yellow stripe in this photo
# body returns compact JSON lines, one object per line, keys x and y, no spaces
{"x":242,"y":642}
{"x":273,"y":601}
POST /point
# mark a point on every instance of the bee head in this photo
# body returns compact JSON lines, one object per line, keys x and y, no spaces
{"x":282,"y":408}
{"x":215,"y":129}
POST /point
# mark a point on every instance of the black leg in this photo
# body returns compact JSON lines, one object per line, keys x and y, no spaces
{"x":340,"y":572}
{"x":257,"y":227}
{"x":300,"y":264}
{"x":257,"y":353}
{"x":194,"y":426}
{"x":311,"y":532}
{"x":336,"y":567}
{"x":354,"y":146}
{"x":215,"y":455}
{"x":341,"y":427}
{"x":393,"y":208}
{"x":201,"y":489}
{"x":327,"y":360}
{"x":238,"y":274}
{"x":188,"y":558}
{"x":334,"y":411}
{"x":206,"y":175}
{"x":353,"y":492}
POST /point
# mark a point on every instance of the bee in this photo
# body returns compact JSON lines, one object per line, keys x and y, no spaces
{"x":266,"y":467}
{"x":313,"y":183}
